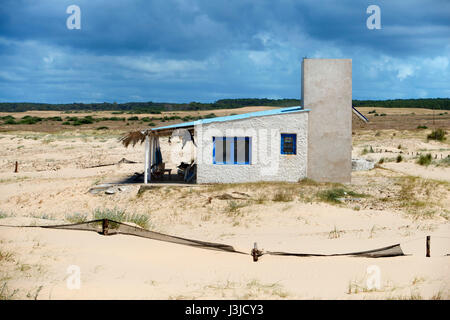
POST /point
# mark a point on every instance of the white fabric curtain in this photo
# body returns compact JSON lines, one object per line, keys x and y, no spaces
{"x":152,"y":147}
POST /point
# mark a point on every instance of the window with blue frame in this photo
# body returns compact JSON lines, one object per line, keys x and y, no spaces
{"x":288,"y":143}
{"x":232,"y":150}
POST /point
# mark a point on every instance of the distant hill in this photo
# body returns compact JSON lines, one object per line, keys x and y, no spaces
{"x":157,"y":107}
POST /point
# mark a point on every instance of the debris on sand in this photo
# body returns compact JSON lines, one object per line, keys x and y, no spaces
{"x":107,"y":188}
{"x":123,"y":160}
{"x":227,"y":196}
{"x":362,"y":165}
{"x":110,"y":191}
{"x":99,"y":188}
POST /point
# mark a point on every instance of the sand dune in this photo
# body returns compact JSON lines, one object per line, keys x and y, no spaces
{"x":52,"y":186}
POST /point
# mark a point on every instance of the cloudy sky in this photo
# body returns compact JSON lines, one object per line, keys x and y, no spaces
{"x":187,"y":50}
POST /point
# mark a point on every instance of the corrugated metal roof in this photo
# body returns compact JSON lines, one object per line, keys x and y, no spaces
{"x":270,"y":112}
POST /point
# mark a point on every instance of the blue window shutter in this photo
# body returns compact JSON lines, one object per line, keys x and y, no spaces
{"x":247,"y":150}
{"x":214,"y":150}
{"x":290,"y":148}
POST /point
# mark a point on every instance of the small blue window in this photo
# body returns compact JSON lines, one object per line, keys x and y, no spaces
{"x":288,"y":143}
{"x":232,"y":150}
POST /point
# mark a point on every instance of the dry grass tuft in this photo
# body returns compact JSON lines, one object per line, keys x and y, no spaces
{"x":233,"y":208}
{"x":283,"y":196}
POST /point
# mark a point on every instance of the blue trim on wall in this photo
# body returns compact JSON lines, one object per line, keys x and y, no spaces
{"x":235,"y":117}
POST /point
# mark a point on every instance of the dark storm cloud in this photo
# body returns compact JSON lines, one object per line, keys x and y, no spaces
{"x":184,"y":50}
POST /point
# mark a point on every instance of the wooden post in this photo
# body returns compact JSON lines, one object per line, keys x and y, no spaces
{"x":147,"y":153}
{"x":255,"y":252}
{"x":428,"y":246}
{"x":17,"y":167}
{"x":105,"y":227}
{"x":152,"y":156}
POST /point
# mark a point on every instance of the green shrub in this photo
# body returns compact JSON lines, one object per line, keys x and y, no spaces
{"x":210,"y":115}
{"x":54,"y":118}
{"x":444,"y":162}
{"x":29,"y":120}
{"x":365,"y":150}
{"x":102,"y":128}
{"x":333,"y":195}
{"x":77,"y":217}
{"x":113,"y":119}
{"x":422,"y":127}
{"x":133,"y":118}
{"x":115,"y":214}
{"x":424,"y":160}
{"x":10,"y":121}
{"x":438,"y":134}
{"x":139,"y":219}
{"x":399,"y":158}
{"x":86,"y":120}
{"x":120,"y":215}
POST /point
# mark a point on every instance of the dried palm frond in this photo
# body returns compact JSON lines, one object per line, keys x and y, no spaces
{"x":133,"y":138}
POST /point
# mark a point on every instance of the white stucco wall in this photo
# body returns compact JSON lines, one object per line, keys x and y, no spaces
{"x":267,"y":162}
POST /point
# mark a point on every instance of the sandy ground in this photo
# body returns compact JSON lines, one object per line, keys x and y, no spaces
{"x":401,"y":203}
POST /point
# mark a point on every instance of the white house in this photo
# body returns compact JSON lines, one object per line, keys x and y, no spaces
{"x":284,"y":144}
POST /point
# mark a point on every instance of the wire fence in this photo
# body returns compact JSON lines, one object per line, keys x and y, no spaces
{"x":109,"y":227}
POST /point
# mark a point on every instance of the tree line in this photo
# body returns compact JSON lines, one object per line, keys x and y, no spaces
{"x":158,"y":107}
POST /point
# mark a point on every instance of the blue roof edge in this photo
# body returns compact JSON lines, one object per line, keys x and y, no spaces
{"x":262,"y":113}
